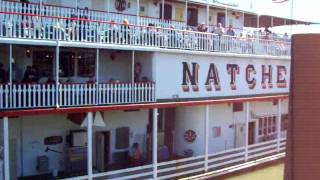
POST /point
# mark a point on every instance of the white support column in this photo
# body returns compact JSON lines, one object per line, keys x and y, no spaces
{"x":279,"y":125}
{"x":207,"y":14}
{"x":6,"y":148}
{"x":226,"y":18}
{"x":10,"y":77}
{"x":138,"y":11}
{"x":243,"y":20}
{"x":57,"y":74}
{"x":258,"y":21}
{"x":162,"y":10}
{"x":10,"y":64}
{"x":271,"y":21}
{"x":108,"y":6}
{"x":132,"y":66}
{"x":206,"y":132}
{"x":186,"y":13}
{"x":97,"y":75}
{"x":76,"y":4}
{"x":89,"y":139}
{"x":247,"y":130}
{"x":155,"y":143}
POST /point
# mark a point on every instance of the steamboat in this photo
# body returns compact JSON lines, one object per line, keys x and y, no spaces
{"x":138,"y":89}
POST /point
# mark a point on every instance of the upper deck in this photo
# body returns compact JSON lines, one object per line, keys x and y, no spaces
{"x":53,"y":25}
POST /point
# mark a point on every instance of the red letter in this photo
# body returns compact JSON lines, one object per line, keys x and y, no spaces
{"x":251,"y":80}
{"x":213,"y":76}
{"x":266,"y":75}
{"x":190,"y":77}
{"x":233,"y":69}
{"x":281,"y":79}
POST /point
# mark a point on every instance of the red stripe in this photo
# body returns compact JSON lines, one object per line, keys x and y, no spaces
{"x":134,"y":106}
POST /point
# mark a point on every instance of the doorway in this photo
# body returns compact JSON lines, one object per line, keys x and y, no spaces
{"x":102,"y":150}
{"x":192,"y":17}
{"x":221,"y":18}
{"x":167,"y":12}
{"x":251,"y":133}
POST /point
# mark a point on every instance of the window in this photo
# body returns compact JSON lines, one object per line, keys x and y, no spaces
{"x":86,"y":64}
{"x":267,"y":126}
{"x":237,"y":107}
{"x":192,"y":17}
{"x":122,"y":138}
{"x":43,"y":62}
{"x":216,"y":132}
{"x":275,"y":102}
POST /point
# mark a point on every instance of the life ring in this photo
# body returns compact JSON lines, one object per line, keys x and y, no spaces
{"x":120,"y":5}
{"x":190,"y":136}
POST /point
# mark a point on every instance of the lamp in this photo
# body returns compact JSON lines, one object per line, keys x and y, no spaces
{"x":98,"y":121}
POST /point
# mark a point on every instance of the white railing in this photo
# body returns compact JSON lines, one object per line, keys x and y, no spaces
{"x":195,"y":165}
{"x":16,"y":25}
{"x":24,"y":96}
{"x":70,"y":12}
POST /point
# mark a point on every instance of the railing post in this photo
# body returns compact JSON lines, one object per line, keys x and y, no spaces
{"x":155,"y":143}
{"x":6,"y":148}
{"x":279,"y":125}
{"x":247,"y":130}
{"x":206,"y":132}
{"x":89,"y":136}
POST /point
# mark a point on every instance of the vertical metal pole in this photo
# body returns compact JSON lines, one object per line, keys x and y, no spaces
{"x":76,"y":4}
{"x":57,"y":73}
{"x":279,"y":125}
{"x":186,"y":13}
{"x":155,"y":143}
{"x":6,"y":148}
{"x":258,"y":21}
{"x":89,"y":136}
{"x":97,"y":75}
{"x":226,"y":18}
{"x":247,"y":130}
{"x":271,"y":21}
{"x":132,"y":66}
{"x":162,"y":10}
{"x":206,"y":132}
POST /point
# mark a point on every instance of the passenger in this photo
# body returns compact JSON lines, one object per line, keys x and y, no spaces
{"x":285,"y":37}
{"x":3,"y":74}
{"x":164,"y":154}
{"x":202,"y":27}
{"x":230,"y":31}
{"x":136,"y":155}
{"x":30,"y":75}
{"x":219,"y":29}
{"x":125,"y":28}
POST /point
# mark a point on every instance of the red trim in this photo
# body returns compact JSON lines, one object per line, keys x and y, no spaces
{"x":134,"y":106}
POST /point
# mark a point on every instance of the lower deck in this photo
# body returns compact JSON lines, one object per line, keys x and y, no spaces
{"x":180,"y":141}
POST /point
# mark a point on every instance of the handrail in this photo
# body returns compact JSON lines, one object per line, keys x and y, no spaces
{"x":133,"y":25}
